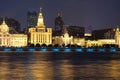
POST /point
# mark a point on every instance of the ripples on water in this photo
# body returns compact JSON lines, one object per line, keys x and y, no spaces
{"x":58,"y":66}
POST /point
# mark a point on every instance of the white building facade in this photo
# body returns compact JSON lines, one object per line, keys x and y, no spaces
{"x":18,"y":40}
{"x":11,"y":40}
{"x":117,"y":37}
{"x":66,"y":39}
{"x":40,"y":34}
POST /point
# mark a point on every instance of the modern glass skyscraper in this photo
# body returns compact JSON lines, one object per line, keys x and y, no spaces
{"x":31,"y":19}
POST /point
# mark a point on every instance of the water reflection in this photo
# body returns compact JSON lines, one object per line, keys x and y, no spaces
{"x":52,"y":66}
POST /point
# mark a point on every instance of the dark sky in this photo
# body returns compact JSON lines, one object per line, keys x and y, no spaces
{"x":97,"y":13}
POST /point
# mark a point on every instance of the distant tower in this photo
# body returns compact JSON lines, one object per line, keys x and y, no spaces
{"x":59,"y":22}
{"x":31,"y":19}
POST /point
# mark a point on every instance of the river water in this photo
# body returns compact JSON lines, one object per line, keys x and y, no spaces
{"x":58,"y":66}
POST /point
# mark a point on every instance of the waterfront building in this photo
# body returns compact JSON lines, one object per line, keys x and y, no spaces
{"x":67,"y":39}
{"x":79,"y":41}
{"x":117,"y":37}
{"x":40,"y":34}
{"x":8,"y":40}
{"x":18,"y":40}
{"x":104,"y":37}
{"x":14,"y":25}
{"x":56,"y":40}
{"x":4,"y":35}
{"x":88,"y":36}
{"x":100,"y":42}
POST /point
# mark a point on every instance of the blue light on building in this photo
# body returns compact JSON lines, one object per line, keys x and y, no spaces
{"x":56,"y":49}
{"x":31,"y":49}
{"x":7,"y":49}
{"x":43,"y":49}
{"x":67,"y":49}
{"x":79,"y":50}
{"x":19,"y":49}
{"x":101,"y":50}
{"x":90,"y":50}
{"x":112,"y":50}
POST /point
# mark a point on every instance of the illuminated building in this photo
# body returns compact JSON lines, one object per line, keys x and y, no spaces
{"x":100,"y":42}
{"x":4,"y":34}
{"x":18,"y":40}
{"x":57,"y":40}
{"x":117,"y":37}
{"x":103,"y":37}
{"x":8,"y":40}
{"x":79,"y":41}
{"x":88,"y":36}
{"x":40,"y":34}
{"x":14,"y":25}
{"x":67,"y":39}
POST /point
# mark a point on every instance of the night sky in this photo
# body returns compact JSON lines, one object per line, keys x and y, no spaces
{"x":97,"y":13}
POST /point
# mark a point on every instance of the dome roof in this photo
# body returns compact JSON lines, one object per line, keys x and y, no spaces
{"x":4,"y":27}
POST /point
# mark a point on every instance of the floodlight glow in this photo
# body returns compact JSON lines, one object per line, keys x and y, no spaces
{"x":67,"y":49}
{"x":79,"y":50}
{"x":90,"y":50}
{"x":101,"y":50}
{"x":113,"y":50}
{"x":7,"y":49}
{"x":44,"y":49}
{"x":56,"y":49}
{"x":31,"y":49}
{"x":19,"y":49}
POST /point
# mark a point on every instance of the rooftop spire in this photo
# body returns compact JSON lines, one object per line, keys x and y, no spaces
{"x":59,"y":14}
{"x":40,"y":22}
{"x":3,"y":21}
{"x":40,"y":14}
{"x":40,"y":9}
